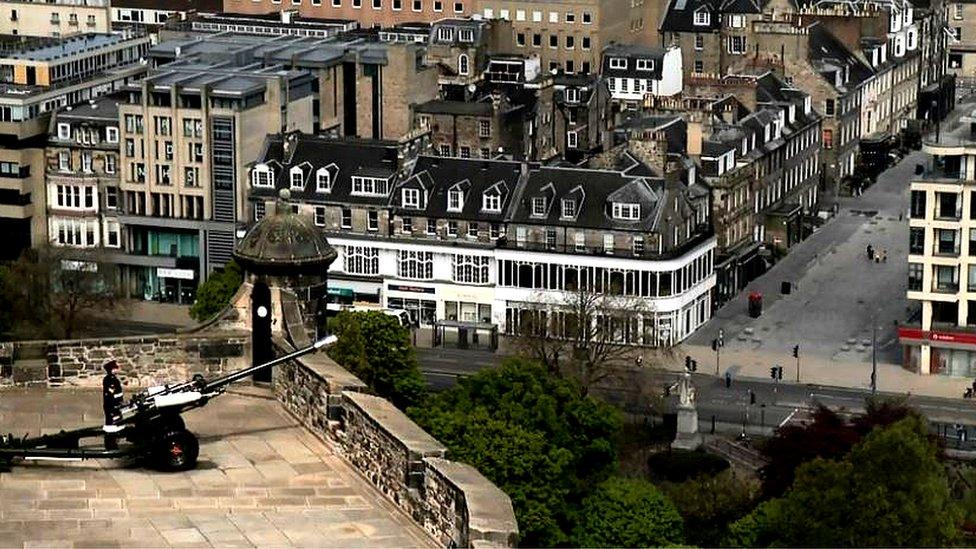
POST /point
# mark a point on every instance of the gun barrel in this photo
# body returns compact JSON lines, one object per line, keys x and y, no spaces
{"x":223,"y":381}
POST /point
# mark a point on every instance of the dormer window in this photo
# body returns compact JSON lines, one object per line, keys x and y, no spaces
{"x":372,"y":186}
{"x":538,"y":206}
{"x":491,"y":202}
{"x":297,"y":178}
{"x":445,"y":34}
{"x":64,"y":131}
{"x":618,"y":63}
{"x":568,"y":208}
{"x":702,"y":17}
{"x":323,"y":181}
{"x":572,"y":95}
{"x":261,"y":176}
{"x":645,"y":64}
{"x":411,"y":198}
{"x":455,"y":198}
{"x":626,"y":211}
{"x":466,"y":35}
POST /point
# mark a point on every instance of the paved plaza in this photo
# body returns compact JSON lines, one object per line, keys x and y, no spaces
{"x":838,"y":300}
{"x":262,"y":481}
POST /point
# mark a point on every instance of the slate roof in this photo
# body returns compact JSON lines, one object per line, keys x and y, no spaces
{"x":434,"y":176}
{"x":632,"y":53}
{"x":826,"y":50}
{"x":594,"y":191}
{"x":460,"y":108}
{"x":680,"y":14}
{"x":344,"y":158}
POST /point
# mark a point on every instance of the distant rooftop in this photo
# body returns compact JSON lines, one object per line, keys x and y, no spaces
{"x":49,"y":49}
{"x":289,"y":50}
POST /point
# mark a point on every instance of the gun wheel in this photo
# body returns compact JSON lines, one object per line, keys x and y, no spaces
{"x":178,"y":451}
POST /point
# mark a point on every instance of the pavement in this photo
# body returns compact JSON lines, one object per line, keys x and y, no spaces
{"x":840,"y":302}
{"x":262,"y":481}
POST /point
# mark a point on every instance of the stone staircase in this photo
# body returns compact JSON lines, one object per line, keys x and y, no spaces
{"x":30,"y":363}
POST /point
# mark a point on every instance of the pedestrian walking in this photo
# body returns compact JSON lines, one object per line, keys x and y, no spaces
{"x":877,"y":258}
{"x":884,"y":256}
{"x":870,"y":251}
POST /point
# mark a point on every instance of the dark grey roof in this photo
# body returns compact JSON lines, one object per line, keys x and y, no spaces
{"x":344,"y":158}
{"x":593,"y":191}
{"x":461,"y":108}
{"x":826,"y":50}
{"x":680,"y":14}
{"x":103,"y":109}
{"x":434,"y":176}
{"x":714,"y":149}
{"x":632,"y":53}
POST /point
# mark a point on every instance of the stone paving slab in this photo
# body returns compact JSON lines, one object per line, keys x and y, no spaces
{"x":262,"y":481}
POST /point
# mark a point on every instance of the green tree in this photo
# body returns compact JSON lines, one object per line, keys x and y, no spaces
{"x":828,"y":436}
{"x":377,"y":349}
{"x":531,"y":434}
{"x":890,"y":490}
{"x":214,"y":294}
{"x":623,"y":512}
{"x":708,"y":503}
{"x":755,"y":528}
{"x":53,"y":292}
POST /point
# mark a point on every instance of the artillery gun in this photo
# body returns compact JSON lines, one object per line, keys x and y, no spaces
{"x":149,"y":426}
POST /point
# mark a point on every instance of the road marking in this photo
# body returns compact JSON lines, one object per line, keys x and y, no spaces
{"x":823,"y":395}
{"x":789,"y":417}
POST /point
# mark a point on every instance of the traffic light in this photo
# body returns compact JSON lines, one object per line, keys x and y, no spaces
{"x":752,"y":396}
{"x":715,"y":345}
{"x":688,"y":362}
{"x":694,"y":366}
{"x":796,"y":351}
{"x":772,"y":372}
{"x":779,"y":372}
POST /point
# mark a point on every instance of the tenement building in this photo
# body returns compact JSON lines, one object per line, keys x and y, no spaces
{"x":942,"y":258}
{"x":37,"y":77}
{"x":55,"y":18}
{"x":498,"y":241}
{"x":570,"y":35}
{"x":82,"y":173}
{"x":368,"y":13}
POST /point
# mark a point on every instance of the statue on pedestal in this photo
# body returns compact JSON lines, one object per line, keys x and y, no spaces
{"x":688,"y":437}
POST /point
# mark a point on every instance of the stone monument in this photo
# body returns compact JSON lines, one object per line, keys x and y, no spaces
{"x":688,"y":437}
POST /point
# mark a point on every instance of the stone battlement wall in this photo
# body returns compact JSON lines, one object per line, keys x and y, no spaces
{"x":145,"y":360}
{"x":452,"y":501}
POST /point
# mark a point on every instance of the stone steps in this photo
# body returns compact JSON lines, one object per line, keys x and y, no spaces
{"x":30,"y":370}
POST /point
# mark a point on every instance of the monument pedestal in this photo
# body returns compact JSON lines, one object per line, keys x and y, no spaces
{"x":688,"y":437}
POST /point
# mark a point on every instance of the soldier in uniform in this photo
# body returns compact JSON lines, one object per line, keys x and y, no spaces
{"x":111,"y":399}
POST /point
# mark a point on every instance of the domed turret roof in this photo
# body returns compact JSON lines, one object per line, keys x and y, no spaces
{"x":285,"y":243}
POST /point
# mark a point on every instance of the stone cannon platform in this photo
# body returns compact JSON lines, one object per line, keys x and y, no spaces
{"x":263,"y":480}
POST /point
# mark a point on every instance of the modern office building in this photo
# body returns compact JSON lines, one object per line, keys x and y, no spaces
{"x":942,"y":257}
{"x":187,"y":134}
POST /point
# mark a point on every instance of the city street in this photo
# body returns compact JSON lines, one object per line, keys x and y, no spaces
{"x":839,"y":302}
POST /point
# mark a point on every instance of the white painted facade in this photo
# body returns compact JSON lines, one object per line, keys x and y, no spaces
{"x":439,"y":290}
{"x":637,"y":88}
